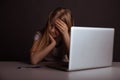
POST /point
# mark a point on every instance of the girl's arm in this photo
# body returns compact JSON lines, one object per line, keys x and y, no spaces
{"x":37,"y":56}
{"x":66,"y":38}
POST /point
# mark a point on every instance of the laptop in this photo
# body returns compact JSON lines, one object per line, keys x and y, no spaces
{"x":90,"y":47}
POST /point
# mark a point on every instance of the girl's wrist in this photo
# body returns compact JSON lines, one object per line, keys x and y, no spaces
{"x":53,"y":44}
{"x":66,"y":34}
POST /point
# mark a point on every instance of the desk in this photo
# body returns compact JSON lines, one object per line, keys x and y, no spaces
{"x":10,"y":71}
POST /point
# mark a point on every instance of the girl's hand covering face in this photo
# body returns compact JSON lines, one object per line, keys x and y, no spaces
{"x":61,"y":26}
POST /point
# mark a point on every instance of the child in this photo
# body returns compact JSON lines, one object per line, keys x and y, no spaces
{"x":53,"y":44}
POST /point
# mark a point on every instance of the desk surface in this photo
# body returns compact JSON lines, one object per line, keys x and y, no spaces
{"x":17,"y":71}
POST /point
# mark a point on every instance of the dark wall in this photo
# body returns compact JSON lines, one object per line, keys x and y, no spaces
{"x":21,"y":18}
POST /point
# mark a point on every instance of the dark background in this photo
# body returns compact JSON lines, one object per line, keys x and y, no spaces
{"x":19,"y":19}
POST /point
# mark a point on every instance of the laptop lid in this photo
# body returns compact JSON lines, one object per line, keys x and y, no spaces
{"x":90,"y":47}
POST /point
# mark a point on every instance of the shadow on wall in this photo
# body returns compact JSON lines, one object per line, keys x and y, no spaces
{"x":21,"y":18}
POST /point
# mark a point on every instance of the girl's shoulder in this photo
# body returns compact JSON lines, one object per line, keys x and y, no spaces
{"x":37,"y":36}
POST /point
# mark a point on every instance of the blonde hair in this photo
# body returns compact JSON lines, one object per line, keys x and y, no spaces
{"x":61,"y":13}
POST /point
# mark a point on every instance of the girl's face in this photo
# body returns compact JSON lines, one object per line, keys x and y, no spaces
{"x":54,"y":31}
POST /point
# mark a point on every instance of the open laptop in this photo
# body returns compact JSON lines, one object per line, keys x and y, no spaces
{"x":90,"y":48}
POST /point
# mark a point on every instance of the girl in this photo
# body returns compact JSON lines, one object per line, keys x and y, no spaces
{"x":53,"y":44}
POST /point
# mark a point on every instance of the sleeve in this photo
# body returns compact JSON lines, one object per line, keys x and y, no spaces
{"x":37,"y":36}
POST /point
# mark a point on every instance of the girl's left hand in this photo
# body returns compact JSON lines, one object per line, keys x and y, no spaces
{"x":61,"y":26}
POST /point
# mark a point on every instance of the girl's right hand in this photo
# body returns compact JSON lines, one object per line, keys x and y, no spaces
{"x":52,"y":39}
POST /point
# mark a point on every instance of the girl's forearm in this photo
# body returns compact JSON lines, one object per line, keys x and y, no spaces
{"x":39,"y":55}
{"x":67,"y":40}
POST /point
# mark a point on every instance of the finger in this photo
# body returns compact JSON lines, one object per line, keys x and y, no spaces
{"x":59,"y":27}
{"x":59,"y":20}
{"x":50,"y":36}
{"x":60,"y":23}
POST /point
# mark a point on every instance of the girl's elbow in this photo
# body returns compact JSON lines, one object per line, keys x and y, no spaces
{"x":33,"y":62}
{"x":33,"y":59}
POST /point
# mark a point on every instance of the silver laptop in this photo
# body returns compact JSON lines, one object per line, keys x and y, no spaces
{"x":90,"y":48}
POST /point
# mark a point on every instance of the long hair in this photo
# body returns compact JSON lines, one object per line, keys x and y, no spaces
{"x":61,"y":13}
